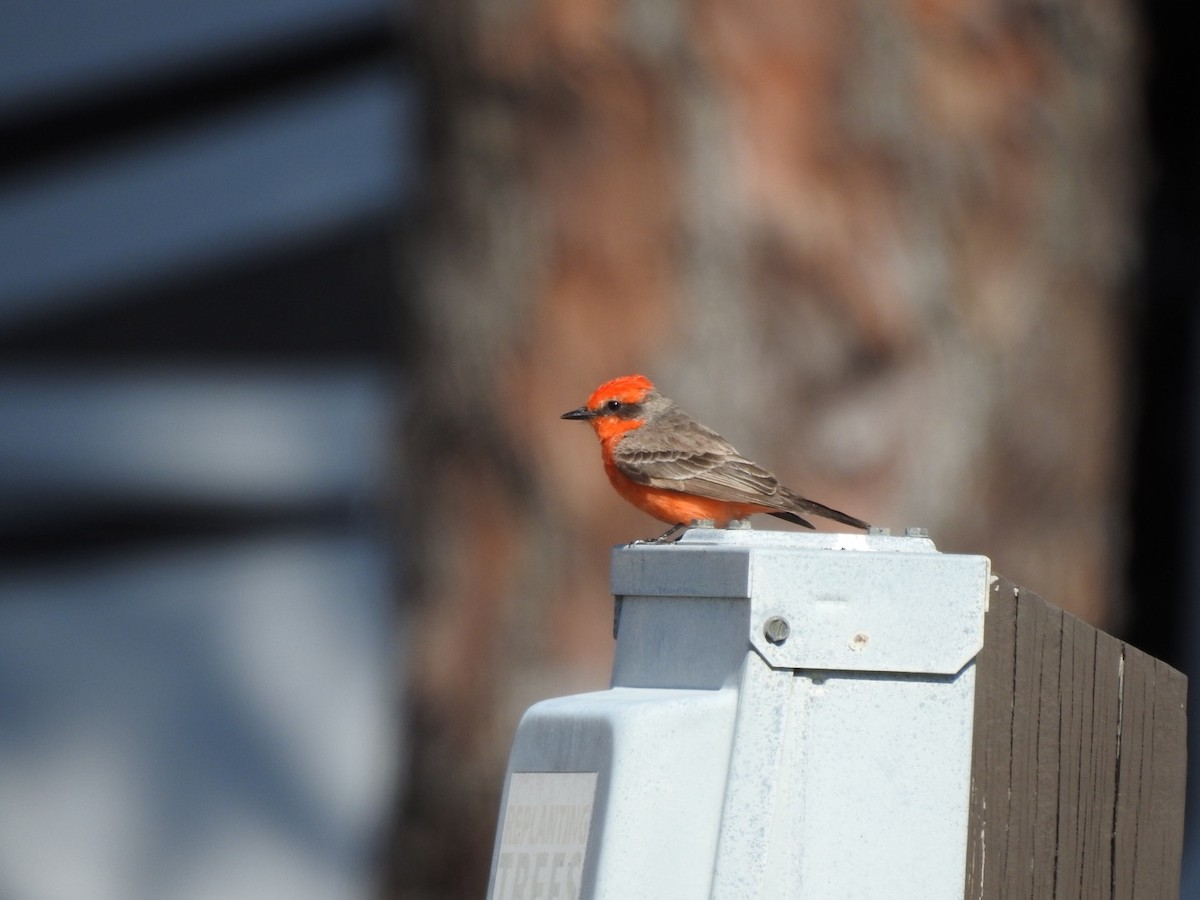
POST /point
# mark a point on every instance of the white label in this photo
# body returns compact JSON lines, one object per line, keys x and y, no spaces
{"x":542,"y":846}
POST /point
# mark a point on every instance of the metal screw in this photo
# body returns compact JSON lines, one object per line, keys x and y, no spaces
{"x":776,"y":629}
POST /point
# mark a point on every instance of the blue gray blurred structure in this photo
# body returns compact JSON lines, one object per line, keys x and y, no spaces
{"x":224,"y":188}
{"x":198,"y":631}
{"x":271,"y":438}
{"x":213,"y":720}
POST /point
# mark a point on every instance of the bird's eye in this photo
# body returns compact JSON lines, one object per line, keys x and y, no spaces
{"x":612,"y":405}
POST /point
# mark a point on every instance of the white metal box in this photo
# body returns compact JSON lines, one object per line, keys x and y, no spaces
{"x":790,"y":716}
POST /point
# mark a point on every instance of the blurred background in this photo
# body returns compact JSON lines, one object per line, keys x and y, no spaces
{"x":293,"y":292}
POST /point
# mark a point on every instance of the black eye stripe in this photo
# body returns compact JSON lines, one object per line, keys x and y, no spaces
{"x":619,"y":409}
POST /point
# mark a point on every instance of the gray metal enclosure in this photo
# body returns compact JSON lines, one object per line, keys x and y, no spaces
{"x":845,"y":716}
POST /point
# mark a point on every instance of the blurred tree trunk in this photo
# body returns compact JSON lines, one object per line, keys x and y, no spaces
{"x":880,"y":246}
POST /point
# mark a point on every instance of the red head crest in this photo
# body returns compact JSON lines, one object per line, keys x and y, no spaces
{"x":613,"y":408}
{"x":626,"y":389}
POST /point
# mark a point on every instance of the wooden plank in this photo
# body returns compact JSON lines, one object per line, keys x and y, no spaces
{"x":1133,"y":780}
{"x":1079,"y":761}
{"x":1152,"y":768}
{"x":1098,"y":803}
{"x":1019,"y":858}
{"x":1162,"y":809}
{"x":988,"y":837}
{"x":1078,"y":664}
{"x":1046,"y":641}
{"x":1034,"y":738}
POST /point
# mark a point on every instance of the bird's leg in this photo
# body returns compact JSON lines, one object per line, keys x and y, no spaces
{"x":662,"y":538}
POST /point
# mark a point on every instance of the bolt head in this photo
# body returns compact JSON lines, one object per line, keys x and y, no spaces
{"x":776,"y":629}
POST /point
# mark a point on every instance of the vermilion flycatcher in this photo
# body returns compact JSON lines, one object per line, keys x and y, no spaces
{"x":666,"y":463}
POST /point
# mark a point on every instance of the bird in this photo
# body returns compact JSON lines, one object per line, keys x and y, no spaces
{"x":680,"y":471}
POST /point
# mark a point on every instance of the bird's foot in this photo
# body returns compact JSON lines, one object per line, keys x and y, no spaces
{"x":661,"y":539}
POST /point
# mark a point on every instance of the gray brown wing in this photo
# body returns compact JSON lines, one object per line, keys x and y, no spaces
{"x":698,"y":461}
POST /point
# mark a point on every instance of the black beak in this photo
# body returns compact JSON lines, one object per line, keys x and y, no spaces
{"x":582,"y":413}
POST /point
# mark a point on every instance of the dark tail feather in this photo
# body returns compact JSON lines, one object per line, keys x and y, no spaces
{"x":793,"y":518}
{"x":825,"y":512}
